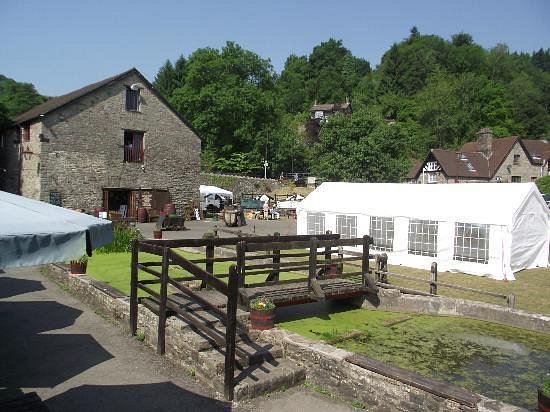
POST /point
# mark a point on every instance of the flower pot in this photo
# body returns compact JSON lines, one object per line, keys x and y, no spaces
{"x":262,"y":319}
{"x":157,"y":234}
{"x":544,"y":402}
{"x":78,"y":268}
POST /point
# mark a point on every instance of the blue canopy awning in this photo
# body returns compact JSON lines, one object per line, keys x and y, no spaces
{"x":34,"y":232}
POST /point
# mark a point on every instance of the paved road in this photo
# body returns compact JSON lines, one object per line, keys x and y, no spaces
{"x":195,"y":229}
{"x":77,"y":361}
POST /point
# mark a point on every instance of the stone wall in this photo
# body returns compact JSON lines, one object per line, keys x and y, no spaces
{"x":394,"y":300}
{"x":239,"y":184}
{"x":523,"y":168}
{"x":85,"y":153}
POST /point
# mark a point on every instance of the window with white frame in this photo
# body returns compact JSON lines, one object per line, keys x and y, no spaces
{"x":471,"y":242}
{"x":346,"y":226}
{"x":315,"y":223}
{"x":381,"y":231}
{"x":432,"y":177}
{"x":422,"y":237}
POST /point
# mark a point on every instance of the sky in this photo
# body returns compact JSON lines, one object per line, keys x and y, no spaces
{"x":61,"y":45}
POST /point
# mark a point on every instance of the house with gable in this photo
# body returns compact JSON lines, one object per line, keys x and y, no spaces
{"x":112,"y":143}
{"x":488,"y":159}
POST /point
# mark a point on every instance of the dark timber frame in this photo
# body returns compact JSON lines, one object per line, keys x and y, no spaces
{"x":260,"y":255}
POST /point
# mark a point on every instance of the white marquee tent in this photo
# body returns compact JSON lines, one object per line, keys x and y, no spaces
{"x":490,"y":229}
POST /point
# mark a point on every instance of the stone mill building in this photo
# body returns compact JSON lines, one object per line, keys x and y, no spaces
{"x":112,"y":143}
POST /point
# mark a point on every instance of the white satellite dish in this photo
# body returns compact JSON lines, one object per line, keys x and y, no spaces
{"x":135,"y":86}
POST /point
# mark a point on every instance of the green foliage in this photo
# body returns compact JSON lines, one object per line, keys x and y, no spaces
{"x":82,"y":259}
{"x":546,"y":386}
{"x":262,"y":304}
{"x":16,"y":98}
{"x":433,"y":92}
{"x":543,"y":183}
{"x":360,"y":147}
{"x":140,"y":336}
{"x":122,"y":239}
{"x":221,"y":181}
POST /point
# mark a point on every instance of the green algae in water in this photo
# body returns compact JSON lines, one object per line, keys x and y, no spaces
{"x":497,"y":361}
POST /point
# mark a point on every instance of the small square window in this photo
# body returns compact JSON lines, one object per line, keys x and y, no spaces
{"x":516,"y":159}
{"x":516,"y":179}
{"x":132,"y":99}
{"x":26,"y":132}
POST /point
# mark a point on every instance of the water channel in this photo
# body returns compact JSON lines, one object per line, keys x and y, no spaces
{"x":497,"y":361}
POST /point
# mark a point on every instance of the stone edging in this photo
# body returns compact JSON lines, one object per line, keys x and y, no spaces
{"x":394,"y":300}
{"x":338,"y":370}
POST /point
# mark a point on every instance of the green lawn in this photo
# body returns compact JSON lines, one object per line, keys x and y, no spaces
{"x":114,"y":269}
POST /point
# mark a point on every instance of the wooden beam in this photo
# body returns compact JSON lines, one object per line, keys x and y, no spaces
{"x":199,"y":273}
{"x":230,"y":334}
{"x":133,"y":287}
{"x":161,"y":336}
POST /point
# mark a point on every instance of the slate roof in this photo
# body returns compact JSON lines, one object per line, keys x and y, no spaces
{"x":470,"y":162}
{"x":58,"y":102}
{"x":330,"y":107}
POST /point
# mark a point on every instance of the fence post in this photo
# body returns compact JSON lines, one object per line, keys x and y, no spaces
{"x":276,"y":260}
{"x":230,"y":332}
{"x":433,"y":279}
{"x":341,"y":258}
{"x":328,"y":255}
{"x":241,"y":262}
{"x":133,"y":287}
{"x":209,"y":254}
{"x":163,"y":297}
{"x":384,"y":277}
{"x":365,"y":261}
{"x":215,"y":231}
{"x":312,"y":262}
{"x":377,"y":267}
{"x":511,"y":300}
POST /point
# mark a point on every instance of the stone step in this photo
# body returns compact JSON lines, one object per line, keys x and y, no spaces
{"x":198,"y":341}
{"x":260,"y":379}
{"x":213,"y":361}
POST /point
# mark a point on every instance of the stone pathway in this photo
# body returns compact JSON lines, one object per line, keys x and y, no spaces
{"x":77,"y":361}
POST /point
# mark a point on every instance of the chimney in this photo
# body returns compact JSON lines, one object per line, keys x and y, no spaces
{"x":485,"y":142}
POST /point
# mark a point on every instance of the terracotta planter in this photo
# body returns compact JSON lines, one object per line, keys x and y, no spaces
{"x":544,"y":402}
{"x":78,"y":268}
{"x":157,"y":234}
{"x":262,"y":319}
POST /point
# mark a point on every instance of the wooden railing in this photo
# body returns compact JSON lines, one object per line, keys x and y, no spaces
{"x":381,"y":272}
{"x":133,"y":155}
{"x":268,"y":250}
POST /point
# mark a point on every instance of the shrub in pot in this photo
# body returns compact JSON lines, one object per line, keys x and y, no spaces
{"x":262,"y":313}
{"x":78,"y":266}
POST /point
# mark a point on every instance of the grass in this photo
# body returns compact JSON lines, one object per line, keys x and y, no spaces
{"x":531,"y":286}
{"x":114,"y":270}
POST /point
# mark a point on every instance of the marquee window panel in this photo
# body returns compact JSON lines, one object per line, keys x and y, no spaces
{"x":381,"y":231}
{"x":346,"y":226}
{"x":422,"y":237}
{"x":315,"y":223}
{"x":471,"y":242}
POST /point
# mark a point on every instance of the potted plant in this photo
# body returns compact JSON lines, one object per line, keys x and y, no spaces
{"x":262,"y":313}
{"x":78,"y":266}
{"x":157,"y":234}
{"x":544,"y":395}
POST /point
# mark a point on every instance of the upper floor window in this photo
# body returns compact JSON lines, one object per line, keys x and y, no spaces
{"x":381,"y":231}
{"x":422,"y":237}
{"x":132,"y":99}
{"x":315,"y":223}
{"x":432,"y":177}
{"x":133,"y":146}
{"x":346,"y":226}
{"x":516,"y":179}
{"x":516,"y":159}
{"x":26,"y":133}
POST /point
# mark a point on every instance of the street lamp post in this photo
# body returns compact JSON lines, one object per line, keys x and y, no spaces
{"x":265,"y":168}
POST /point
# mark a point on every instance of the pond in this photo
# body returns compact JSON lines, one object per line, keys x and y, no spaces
{"x":497,"y":361}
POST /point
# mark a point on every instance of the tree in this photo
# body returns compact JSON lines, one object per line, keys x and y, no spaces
{"x":543,"y":183}
{"x":165,"y":81}
{"x":291,"y":85}
{"x":360,"y":147}
{"x":228,"y":96}
{"x":17,"y":98}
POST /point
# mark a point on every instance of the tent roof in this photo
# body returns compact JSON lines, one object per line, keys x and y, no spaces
{"x":34,"y":232}
{"x":491,"y":203}
{"x":207,"y":190}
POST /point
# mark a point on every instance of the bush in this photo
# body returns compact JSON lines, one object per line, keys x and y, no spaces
{"x":543,"y":183}
{"x":122,"y":239}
